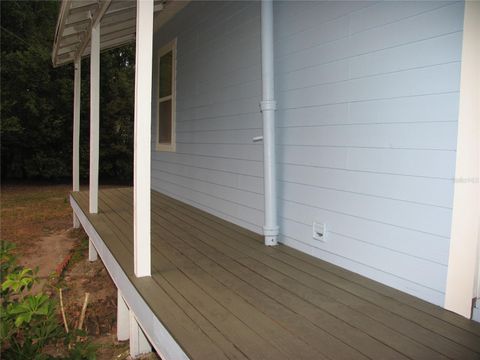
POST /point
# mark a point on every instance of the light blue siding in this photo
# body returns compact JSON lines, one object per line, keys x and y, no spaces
{"x":366,"y":128}
{"x":216,"y":167}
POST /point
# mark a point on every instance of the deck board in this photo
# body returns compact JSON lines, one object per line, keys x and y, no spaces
{"x":207,"y":295}
{"x":248,"y":341}
{"x":375,"y":311}
{"x":222,"y":294}
{"x":410,"y":311}
{"x":163,"y":302}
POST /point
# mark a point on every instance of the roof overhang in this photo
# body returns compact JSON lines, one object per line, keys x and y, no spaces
{"x":117,"y":19}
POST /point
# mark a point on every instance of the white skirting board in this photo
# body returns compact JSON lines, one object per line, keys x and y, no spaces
{"x":156,"y":333}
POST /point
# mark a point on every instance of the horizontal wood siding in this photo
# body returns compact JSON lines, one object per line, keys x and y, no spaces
{"x":367,"y":124}
{"x":216,"y":167}
{"x":367,"y":127}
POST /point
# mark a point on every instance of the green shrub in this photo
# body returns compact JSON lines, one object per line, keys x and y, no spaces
{"x":30,"y":322}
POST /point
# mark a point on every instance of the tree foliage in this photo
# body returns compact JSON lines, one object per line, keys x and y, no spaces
{"x":37,"y":101}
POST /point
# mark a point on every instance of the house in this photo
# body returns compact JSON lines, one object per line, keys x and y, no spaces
{"x":306,"y":176}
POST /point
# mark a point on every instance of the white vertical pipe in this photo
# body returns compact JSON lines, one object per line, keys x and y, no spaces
{"x":76,"y":133}
{"x":94,"y":117}
{"x":268,"y":106}
{"x":143,"y":119}
{"x":463,"y":256}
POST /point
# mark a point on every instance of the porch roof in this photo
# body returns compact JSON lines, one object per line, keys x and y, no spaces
{"x":221,"y":294}
{"x":118,"y":25}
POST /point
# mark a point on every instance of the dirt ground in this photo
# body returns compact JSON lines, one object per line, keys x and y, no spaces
{"x":38,"y":219}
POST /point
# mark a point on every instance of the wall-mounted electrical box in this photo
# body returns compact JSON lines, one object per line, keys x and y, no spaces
{"x":319,"y":231}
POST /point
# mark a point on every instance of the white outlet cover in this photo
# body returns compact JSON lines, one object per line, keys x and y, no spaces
{"x":320,"y":231}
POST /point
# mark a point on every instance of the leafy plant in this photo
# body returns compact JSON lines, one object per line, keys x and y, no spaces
{"x":29,"y":322}
{"x":18,"y":281}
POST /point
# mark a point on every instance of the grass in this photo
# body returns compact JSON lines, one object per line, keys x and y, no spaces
{"x":31,"y":211}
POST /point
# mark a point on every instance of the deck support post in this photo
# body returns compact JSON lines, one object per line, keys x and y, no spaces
{"x":76,"y":133}
{"x":463,"y":262}
{"x":142,"y":136}
{"x":92,"y":252}
{"x":94,"y":117}
{"x":138,"y":342}
{"x":268,"y":106}
{"x":123,"y":318}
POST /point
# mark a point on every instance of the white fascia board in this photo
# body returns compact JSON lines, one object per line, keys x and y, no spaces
{"x":157,"y":334}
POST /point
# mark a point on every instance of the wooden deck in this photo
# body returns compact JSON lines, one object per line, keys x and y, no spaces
{"x":223,"y":295}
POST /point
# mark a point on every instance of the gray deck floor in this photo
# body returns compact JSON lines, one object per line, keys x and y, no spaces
{"x":222,"y":294}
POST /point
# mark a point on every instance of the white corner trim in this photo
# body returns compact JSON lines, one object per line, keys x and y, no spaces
{"x":154,"y":330}
{"x":463,"y":256}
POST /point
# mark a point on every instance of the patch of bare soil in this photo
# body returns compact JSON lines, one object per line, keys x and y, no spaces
{"x":47,"y":254}
{"x":82,"y":277}
{"x":38,"y":220}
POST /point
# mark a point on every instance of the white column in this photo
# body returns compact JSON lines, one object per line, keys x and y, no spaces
{"x":143,"y":99}
{"x":463,"y":257}
{"x":76,"y":133}
{"x":268,"y":106}
{"x":94,"y":117}
{"x":94,"y":127}
{"x":123,"y":318}
{"x":138,"y":342}
{"x":92,"y":252}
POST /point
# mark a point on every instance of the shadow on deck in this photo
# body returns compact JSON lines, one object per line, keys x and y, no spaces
{"x":221,"y":293}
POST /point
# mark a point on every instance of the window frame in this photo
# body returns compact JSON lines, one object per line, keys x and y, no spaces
{"x":171,"y":46}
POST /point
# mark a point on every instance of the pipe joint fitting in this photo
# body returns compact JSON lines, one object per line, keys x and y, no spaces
{"x":268,"y":105}
{"x":270,"y":230}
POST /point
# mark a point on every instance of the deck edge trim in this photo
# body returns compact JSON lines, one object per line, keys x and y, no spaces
{"x":157,"y":334}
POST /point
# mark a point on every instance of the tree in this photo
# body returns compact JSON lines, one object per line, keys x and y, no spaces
{"x":36,"y":101}
{"x":32,"y":128}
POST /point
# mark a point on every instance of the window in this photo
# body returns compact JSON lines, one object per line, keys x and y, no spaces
{"x":166,"y":97}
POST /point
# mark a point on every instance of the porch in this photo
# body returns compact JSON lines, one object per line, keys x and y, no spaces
{"x":218,"y":292}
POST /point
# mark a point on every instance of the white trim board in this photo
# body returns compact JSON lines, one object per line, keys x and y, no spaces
{"x":464,"y":244}
{"x":155,"y":331}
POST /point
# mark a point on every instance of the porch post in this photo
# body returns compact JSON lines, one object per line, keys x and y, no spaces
{"x":123,"y":318}
{"x":142,"y":145}
{"x":76,"y":133}
{"x":465,"y":235}
{"x":138,"y":341}
{"x":94,"y":127}
{"x":94,"y":116}
{"x":92,"y":251}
